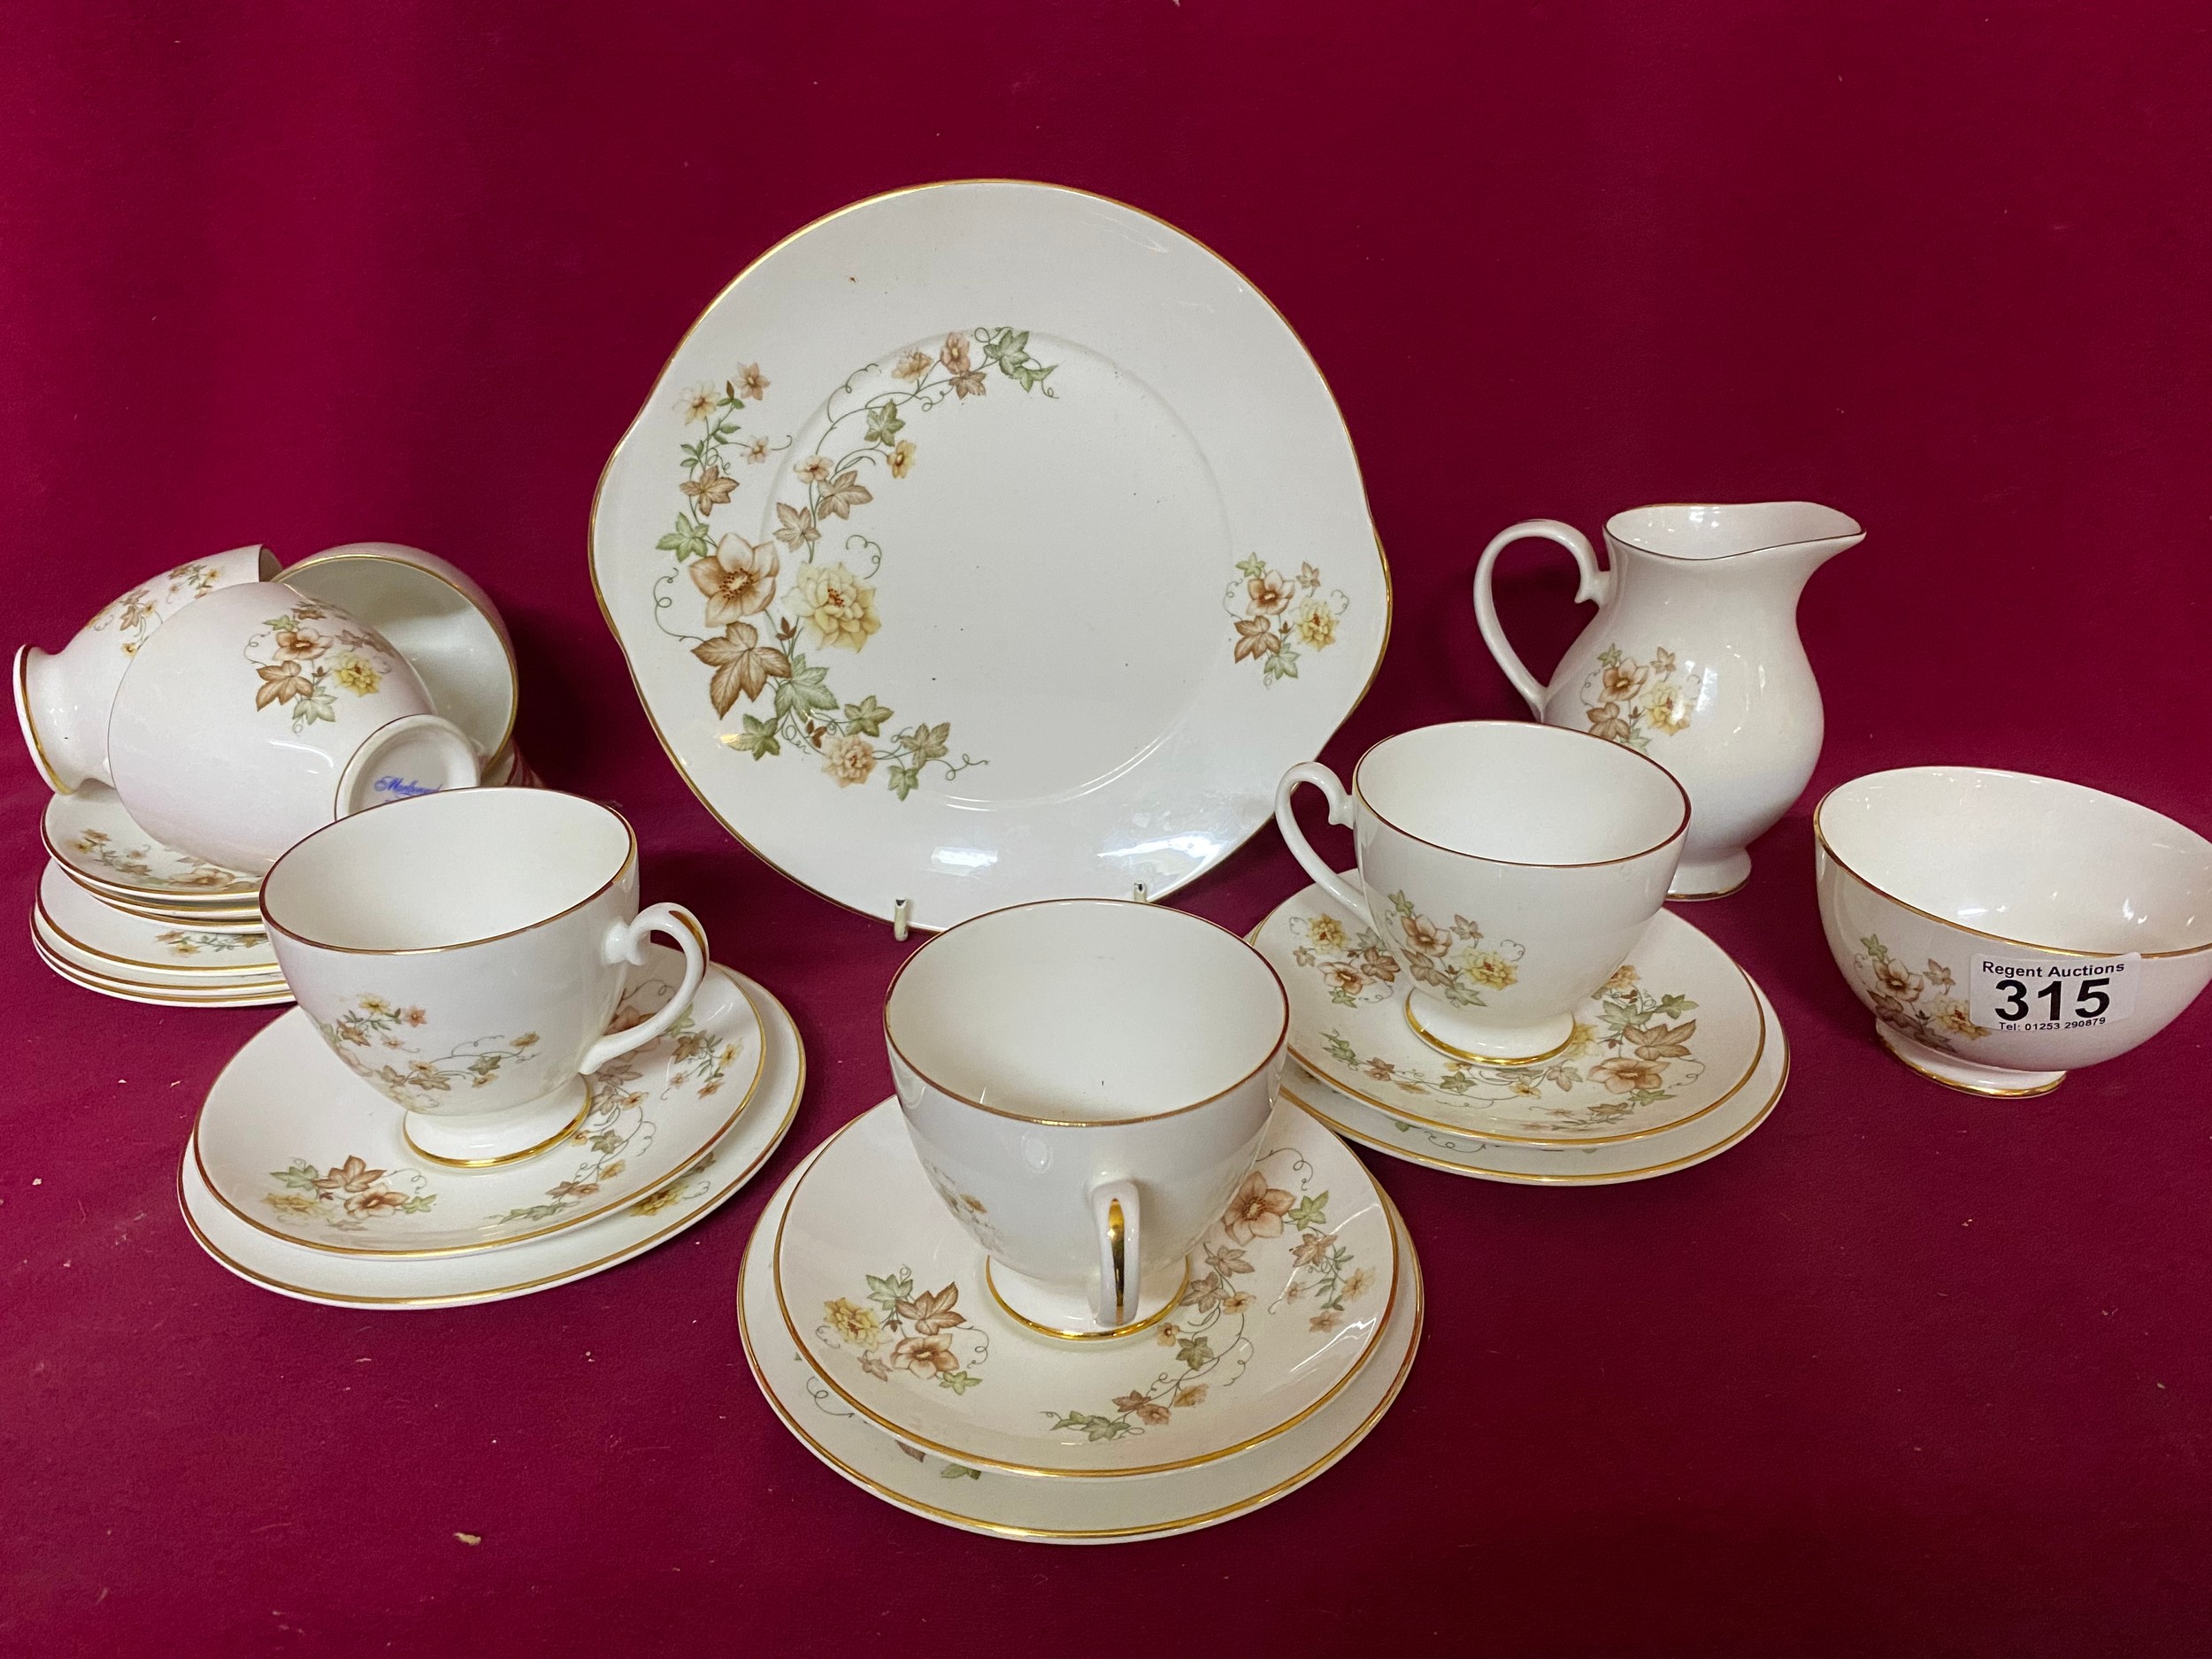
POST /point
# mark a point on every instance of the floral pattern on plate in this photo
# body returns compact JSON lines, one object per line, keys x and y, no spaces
{"x":769,"y":603}
{"x":1629,"y":701}
{"x":1922,"y":1005}
{"x":1209,"y":1341}
{"x":1673,"y":1032}
{"x":304,"y":657}
{"x":1276,"y":614}
{"x":897,"y":1328}
{"x":136,"y":865}
{"x":180,"y":943}
{"x":347,"y":1197}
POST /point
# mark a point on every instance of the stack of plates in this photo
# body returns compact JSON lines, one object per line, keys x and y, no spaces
{"x":298,"y":1176}
{"x":119,"y":913}
{"x":1676,"y":1059}
{"x":872,"y":1330}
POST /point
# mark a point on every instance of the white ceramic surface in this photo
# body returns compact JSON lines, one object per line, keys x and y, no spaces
{"x":446,"y":1281}
{"x":62,"y":700}
{"x":438,"y":618}
{"x":257,"y":716}
{"x":116,"y":942}
{"x":1693,"y":659}
{"x":136,"y":976}
{"x":135,"y":990}
{"x":1675,"y":1034}
{"x":302,"y":1150}
{"x":987,"y":542}
{"x":1926,"y":871}
{"x":465,"y":952}
{"x":886,"y":1297}
{"x":1567,"y":1163}
{"x":1512,"y":867}
{"x":1085,"y":1082}
{"x":1064,"y":1511}
{"x":106,"y":852}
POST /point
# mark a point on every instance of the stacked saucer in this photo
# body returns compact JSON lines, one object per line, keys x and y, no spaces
{"x":872,"y":1323}
{"x":119,"y":913}
{"x":300,"y":1178}
{"x":1677,"y":1057}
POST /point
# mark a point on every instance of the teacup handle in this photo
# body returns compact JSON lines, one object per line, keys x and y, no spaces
{"x":1120,"y":1256}
{"x":626,"y":942}
{"x":1340,"y":811}
{"x":1595,"y":587}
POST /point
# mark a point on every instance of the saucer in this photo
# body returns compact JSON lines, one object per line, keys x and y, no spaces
{"x":90,"y":836}
{"x":884,"y":1293}
{"x":1571,"y":1164}
{"x":88,"y":931}
{"x":260,"y":994}
{"x":136,"y":975}
{"x":990,"y":542}
{"x":295,"y":1145}
{"x":1676,"y":1034}
{"x":444,"y":1281}
{"x":1060,"y":1512}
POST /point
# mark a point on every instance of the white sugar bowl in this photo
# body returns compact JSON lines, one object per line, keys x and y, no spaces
{"x":2004,"y":928}
{"x":257,"y":715}
{"x":63,"y":698}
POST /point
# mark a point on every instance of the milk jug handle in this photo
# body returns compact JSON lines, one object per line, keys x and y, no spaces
{"x":1596,"y":587}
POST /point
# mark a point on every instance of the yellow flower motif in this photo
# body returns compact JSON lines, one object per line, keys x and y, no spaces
{"x":357,"y":675}
{"x":837,"y":607}
{"x":292,"y":1204}
{"x":1326,"y":933}
{"x":1670,"y":710}
{"x":1490,"y":969}
{"x":852,"y":1322}
{"x":903,"y":459}
{"x":1314,"y":623}
{"x":913,"y":365}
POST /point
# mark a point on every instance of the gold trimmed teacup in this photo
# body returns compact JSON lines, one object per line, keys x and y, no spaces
{"x":1511,"y":867}
{"x":465,"y":954}
{"x":1085,"y":1082}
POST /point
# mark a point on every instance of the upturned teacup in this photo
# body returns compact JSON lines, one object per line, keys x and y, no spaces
{"x":1086,"y":1081}
{"x":257,"y":715}
{"x":465,"y":954}
{"x":1511,"y":868}
{"x":63,"y":698}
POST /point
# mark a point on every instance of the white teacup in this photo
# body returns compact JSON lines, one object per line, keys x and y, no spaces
{"x":257,"y":716}
{"x":465,"y":953}
{"x":1511,"y":867}
{"x":63,"y":698}
{"x":1085,"y":1082}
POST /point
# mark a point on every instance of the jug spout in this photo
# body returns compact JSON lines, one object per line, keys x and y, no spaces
{"x":1795,"y":538}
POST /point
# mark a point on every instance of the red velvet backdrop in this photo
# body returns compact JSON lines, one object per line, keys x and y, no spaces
{"x":1906,"y":1372}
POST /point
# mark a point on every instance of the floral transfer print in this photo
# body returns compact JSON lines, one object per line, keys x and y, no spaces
{"x":691,"y":1184}
{"x":920,"y":1334}
{"x":366,"y":1038}
{"x":1276,"y":614}
{"x":347,"y":1196}
{"x":305,"y":658}
{"x":771,"y":607}
{"x":1636,"y":1054}
{"x":615,"y":1128}
{"x":1356,"y":967}
{"x":1630,"y":703}
{"x":1361,"y":967}
{"x":136,"y":865}
{"x":138,"y":612}
{"x":184,"y":944}
{"x":1212,"y":1348}
{"x":1923,"y":1006}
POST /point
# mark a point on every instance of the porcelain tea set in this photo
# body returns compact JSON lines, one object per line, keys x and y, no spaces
{"x":1103,"y":1265}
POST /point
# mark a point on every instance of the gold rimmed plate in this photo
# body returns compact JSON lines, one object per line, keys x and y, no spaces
{"x":295,"y":1145}
{"x":997,"y":1504}
{"x":884,"y":1292}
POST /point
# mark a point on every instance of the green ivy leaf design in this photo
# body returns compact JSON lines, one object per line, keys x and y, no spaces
{"x":686,"y":541}
{"x":1196,"y":1353}
{"x":959,"y":1472}
{"x":301,"y":1175}
{"x":866,"y":717}
{"x":1310,"y":1211}
{"x":806,"y":691}
{"x":884,"y":425}
{"x":758,"y":738}
{"x":958,"y":1381}
{"x":1093,"y":1426}
{"x":928,"y":742}
{"x":902,"y":780}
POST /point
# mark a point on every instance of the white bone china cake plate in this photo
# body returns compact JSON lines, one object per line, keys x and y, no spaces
{"x":987,"y":542}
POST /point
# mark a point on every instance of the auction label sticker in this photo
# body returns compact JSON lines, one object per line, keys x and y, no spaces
{"x":2022,"y":991}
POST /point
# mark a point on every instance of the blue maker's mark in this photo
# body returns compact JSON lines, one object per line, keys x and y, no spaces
{"x":402,"y":786}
